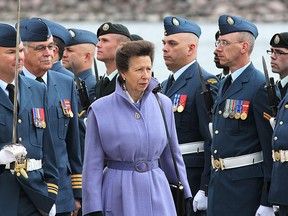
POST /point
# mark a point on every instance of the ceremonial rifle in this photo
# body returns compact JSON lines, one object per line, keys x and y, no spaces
{"x":206,"y":91}
{"x":96,"y":70}
{"x":270,"y":85}
{"x":82,"y":91}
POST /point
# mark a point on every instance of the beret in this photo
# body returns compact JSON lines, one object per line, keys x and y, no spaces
{"x":113,"y":28}
{"x":80,"y":36}
{"x":8,"y":35}
{"x":280,"y":40}
{"x":174,"y":25}
{"x":229,"y":24}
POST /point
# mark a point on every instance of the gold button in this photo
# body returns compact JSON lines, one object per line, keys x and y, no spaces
{"x":216,"y":132}
{"x":19,"y":121}
{"x":215,"y":151}
{"x":137,"y":115}
{"x":275,"y":138}
{"x":220,"y":112}
{"x":281,"y":122}
{"x":20,"y":139}
{"x":286,"y":106}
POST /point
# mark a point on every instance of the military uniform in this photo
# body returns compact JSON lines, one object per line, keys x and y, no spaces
{"x":190,"y":111}
{"x":42,"y":184}
{"x":104,"y":86}
{"x":241,"y":144}
{"x":62,"y":116}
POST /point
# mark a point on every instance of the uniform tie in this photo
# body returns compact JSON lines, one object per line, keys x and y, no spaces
{"x":227,"y":83}
{"x":39,"y":79}
{"x":103,"y":84}
{"x":10,"y":87}
{"x":171,"y":80}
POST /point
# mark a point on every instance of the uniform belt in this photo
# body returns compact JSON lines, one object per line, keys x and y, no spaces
{"x":192,"y":147}
{"x":238,"y":161}
{"x":139,"y":166}
{"x":31,"y":165}
{"x":280,"y":155}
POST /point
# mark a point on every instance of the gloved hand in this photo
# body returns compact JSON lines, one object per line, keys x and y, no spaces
{"x":272,"y":121}
{"x":85,"y":122}
{"x":276,"y":210}
{"x":6,"y":157}
{"x":264,"y":211}
{"x":200,"y":201}
{"x":188,"y":207}
{"x":210,"y":126}
{"x":53,"y":210}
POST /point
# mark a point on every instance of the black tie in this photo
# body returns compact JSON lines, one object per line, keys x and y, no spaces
{"x":282,"y":90}
{"x":10,"y":87}
{"x":103,"y":85}
{"x":170,"y":82}
{"x":227,"y":83}
{"x":39,"y":79}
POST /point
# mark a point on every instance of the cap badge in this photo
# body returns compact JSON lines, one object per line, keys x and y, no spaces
{"x":277,"y":39}
{"x":105,"y":27}
{"x":165,"y":32}
{"x":175,"y":22}
{"x":230,"y":20}
{"x":72,"y":33}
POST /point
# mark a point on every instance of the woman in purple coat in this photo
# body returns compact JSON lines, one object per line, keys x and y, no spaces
{"x":127,"y":130}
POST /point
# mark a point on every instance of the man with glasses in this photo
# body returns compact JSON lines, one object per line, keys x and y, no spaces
{"x":279,"y":63}
{"x":279,"y":60}
{"x":62,"y":111}
{"x":241,"y":144}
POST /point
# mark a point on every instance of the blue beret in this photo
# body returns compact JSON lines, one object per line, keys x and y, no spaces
{"x":174,"y":25}
{"x":7,"y":35}
{"x":229,"y":24}
{"x":79,"y":36}
{"x":113,"y":28}
{"x":58,"y":30}
{"x":34,"y":30}
{"x":280,"y":40}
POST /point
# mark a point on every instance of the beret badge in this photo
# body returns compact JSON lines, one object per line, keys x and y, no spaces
{"x":175,"y":21}
{"x":230,"y":20}
{"x":277,"y":39}
{"x":72,"y":33}
{"x":105,"y":27}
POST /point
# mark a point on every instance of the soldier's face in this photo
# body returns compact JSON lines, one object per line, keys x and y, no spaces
{"x":178,"y":50}
{"x":279,"y":61}
{"x":106,"y":47}
{"x":39,"y":56}
{"x":8,"y":61}
{"x":72,"y":54}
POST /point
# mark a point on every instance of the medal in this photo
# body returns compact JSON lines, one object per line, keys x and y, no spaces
{"x":245,"y":109}
{"x":226,"y":112}
{"x":182,"y":103}
{"x":175,"y":102}
{"x":66,"y":108}
{"x":39,"y":117}
{"x":231,"y":109}
{"x":238,"y":109}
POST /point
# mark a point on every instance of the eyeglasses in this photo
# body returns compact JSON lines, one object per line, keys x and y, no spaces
{"x":42,"y":48}
{"x":224,"y":43}
{"x":276,"y":52}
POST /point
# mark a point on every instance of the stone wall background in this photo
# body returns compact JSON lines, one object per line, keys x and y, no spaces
{"x":145,"y":10}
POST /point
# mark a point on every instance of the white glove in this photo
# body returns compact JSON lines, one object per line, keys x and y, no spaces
{"x":6,"y":157}
{"x":264,"y":211}
{"x":272,"y":121}
{"x":275,"y":208}
{"x":210,"y":125}
{"x":11,"y":153}
{"x":53,"y":210}
{"x":200,"y":201}
{"x":85,"y":122}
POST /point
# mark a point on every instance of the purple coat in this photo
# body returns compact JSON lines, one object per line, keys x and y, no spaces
{"x":115,"y":133}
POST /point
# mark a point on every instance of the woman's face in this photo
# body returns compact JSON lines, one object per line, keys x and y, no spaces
{"x":139,"y":74}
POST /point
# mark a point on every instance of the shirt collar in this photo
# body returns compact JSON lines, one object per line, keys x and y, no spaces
{"x":32,"y":76}
{"x":238,"y":72}
{"x":181,"y":70}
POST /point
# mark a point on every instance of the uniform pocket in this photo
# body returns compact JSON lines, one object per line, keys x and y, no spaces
{"x":62,"y":124}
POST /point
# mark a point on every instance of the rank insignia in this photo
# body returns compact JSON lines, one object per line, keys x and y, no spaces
{"x":212,"y":81}
{"x":66,"y":107}
{"x":39,"y":117}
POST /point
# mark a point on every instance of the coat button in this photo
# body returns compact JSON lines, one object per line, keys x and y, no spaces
{"x":281,"y":122}
{"x":275,"y":138}
{"x":20,"y":139}
{"x":216,"y":132}
{"x":215,"y":151}
{"x":220,"y":112}
{"x":137,"y":115}
{"x":19,"y":121}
